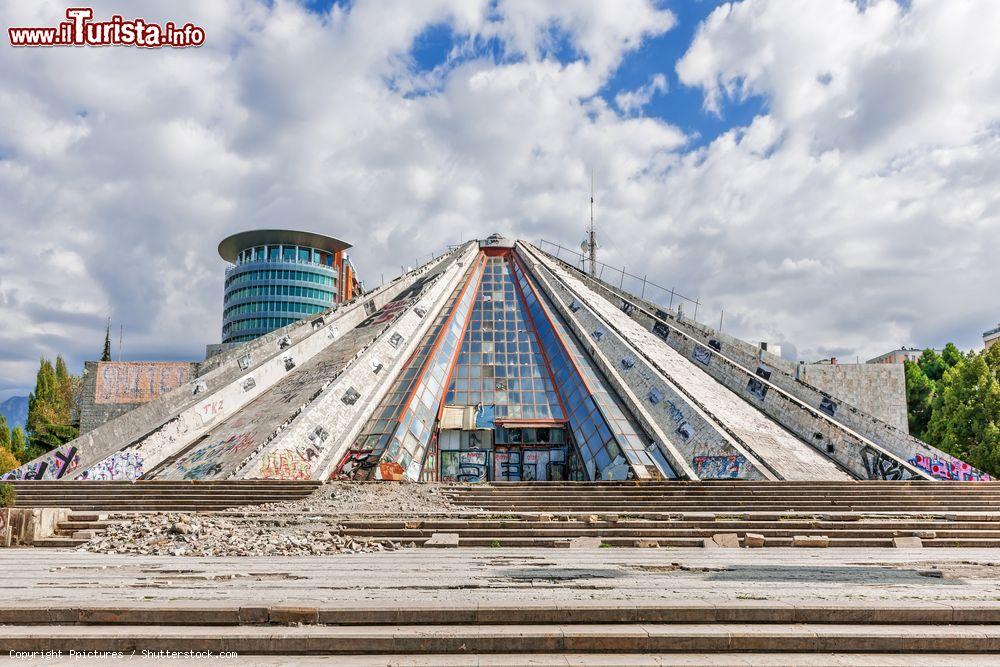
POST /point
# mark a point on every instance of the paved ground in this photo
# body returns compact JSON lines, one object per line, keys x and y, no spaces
{"x":41,"y":576}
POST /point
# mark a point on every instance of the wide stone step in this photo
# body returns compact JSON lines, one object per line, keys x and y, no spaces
{"x":464,"y":612}
{"x":533,"y":638}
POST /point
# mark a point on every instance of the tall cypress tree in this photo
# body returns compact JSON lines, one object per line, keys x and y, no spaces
{"x":106,"y":355}
{"x":50,"y":407}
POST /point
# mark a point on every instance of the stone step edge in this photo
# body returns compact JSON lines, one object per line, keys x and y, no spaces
{"x":422,"y":639}
{"x":521,"y":613}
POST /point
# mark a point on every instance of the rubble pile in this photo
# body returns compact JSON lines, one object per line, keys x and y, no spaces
{"x":300,"y":528}
{"x":372,"y":498}
{"x":215,"y":535}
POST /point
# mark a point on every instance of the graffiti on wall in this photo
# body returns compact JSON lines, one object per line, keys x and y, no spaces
{"x":54,"y":465}
{"x":127,"y":464}
{"x":953,"y":469}
{"x":828,"y":407}
{"x":701,"y":354}
{"x":287,"y":464}
{"x":720,"y":467}
{"x":204,"y":462}
{"x":137,"y":382}
{"x":881,"y":466}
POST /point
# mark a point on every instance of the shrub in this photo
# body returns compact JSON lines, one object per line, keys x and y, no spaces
{"x":7,"y":461}
{"x":7,"y":495}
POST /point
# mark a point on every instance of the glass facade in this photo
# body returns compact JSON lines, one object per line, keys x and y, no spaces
{"x":270,"y":286}
{"x":499,"y":388}
{"x":500,"y":362}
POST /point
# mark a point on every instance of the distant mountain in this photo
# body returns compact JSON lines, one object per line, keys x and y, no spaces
{"x":15,"y":409}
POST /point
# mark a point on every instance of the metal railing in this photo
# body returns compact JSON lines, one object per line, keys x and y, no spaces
{"x":626,"y":281}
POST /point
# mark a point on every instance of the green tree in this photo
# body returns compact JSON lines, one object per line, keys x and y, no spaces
{"x":50,"y":407}
{"x":932,"y":364}
{"x":18,"y":443}
{"x":106,"y":355}
{"x":920,"y":392}
{"x":4,"y":434}
{"x":951,"y":355}
{"x":965,"y":418}
{"x":7,"y":463}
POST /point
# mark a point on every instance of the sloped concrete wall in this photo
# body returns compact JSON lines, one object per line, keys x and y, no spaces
{"x":318,"y":436}
{"x":862,"y":457}
{"x":681,"y":429}
{"x":918,"y":455}
{"x":751,"y":435}
{"x":197,"y":398}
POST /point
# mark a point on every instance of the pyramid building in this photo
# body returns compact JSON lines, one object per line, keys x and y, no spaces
{"x":497,"y":361}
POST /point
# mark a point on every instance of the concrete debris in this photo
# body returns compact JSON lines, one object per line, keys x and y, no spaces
{"x":907,"y":542}
{"x":727,"y":540}
{"x":374,"y":497}
{"x":584,"y":543}
{"x":814,"y":541}
{"x":753,"y":540}
{"x":301,"y":528}
{"x":442,"y":540}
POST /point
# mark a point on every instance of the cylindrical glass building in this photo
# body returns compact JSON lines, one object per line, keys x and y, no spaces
{"x":279,"y":276}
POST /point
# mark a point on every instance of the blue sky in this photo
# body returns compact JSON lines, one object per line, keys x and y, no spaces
{"x":847,"y":207}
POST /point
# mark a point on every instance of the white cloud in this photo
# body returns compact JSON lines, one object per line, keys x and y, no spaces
{"x":632,"y":101}
{"x":858,"y":212}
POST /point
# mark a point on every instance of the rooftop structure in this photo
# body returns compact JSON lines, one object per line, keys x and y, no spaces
{"x":278,"y":276}
{"x":496,"y":361}
{"x":991,"y":337}
{"x":898,"y":356}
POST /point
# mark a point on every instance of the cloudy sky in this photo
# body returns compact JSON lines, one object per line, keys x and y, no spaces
{"x":828,"y":173}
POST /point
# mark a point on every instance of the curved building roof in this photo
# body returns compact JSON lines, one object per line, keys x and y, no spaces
{"x":231,"y":246}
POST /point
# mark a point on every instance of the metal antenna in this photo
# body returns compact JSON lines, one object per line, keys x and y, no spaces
{"x":591,"y":235}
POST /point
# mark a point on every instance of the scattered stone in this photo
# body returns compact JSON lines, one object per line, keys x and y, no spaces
{"x":646,"y":544}
{"x":442,"y":540}
{"x":592,"y":518}
{"x":611,"y":518}
{"x":709,"y":543}
{"x":412,"y":525}
{"x":585,"y":543}
{"x":544,"y":517}
{"x":925,"y":534}
{"x":753,"y":540}
{"x":815,"y":541}
{"x":907,"y":542}
{"x":727,"y":540}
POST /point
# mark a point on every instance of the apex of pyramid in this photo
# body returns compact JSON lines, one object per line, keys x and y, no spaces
{"x":496,"y":240}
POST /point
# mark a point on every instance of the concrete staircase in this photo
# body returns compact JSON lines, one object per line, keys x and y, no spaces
{"x":541,"y":633}
{"x":686,"y":514}
{"x":158,"y":496}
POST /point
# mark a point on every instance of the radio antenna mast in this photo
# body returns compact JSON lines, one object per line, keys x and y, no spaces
{"x":591,"y":233}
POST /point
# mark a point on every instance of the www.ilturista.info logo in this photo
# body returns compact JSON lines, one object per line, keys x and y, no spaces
{"x":80,"y":30}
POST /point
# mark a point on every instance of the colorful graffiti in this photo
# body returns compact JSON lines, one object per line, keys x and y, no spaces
{"x":954,"y":469}
{"x":881,"y":466}
{"x":720,"y":467}
{"x":203,"y":463}
{"x":54,"y":465}
{"x":127,"y":464}
{"x":287,"y":464}
{"x":137,"y":382}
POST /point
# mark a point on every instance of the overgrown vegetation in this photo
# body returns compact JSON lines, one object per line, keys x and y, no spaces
{"x":953,"y":403}
{"x":7,"y":495}
{"x":50,"y":409}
